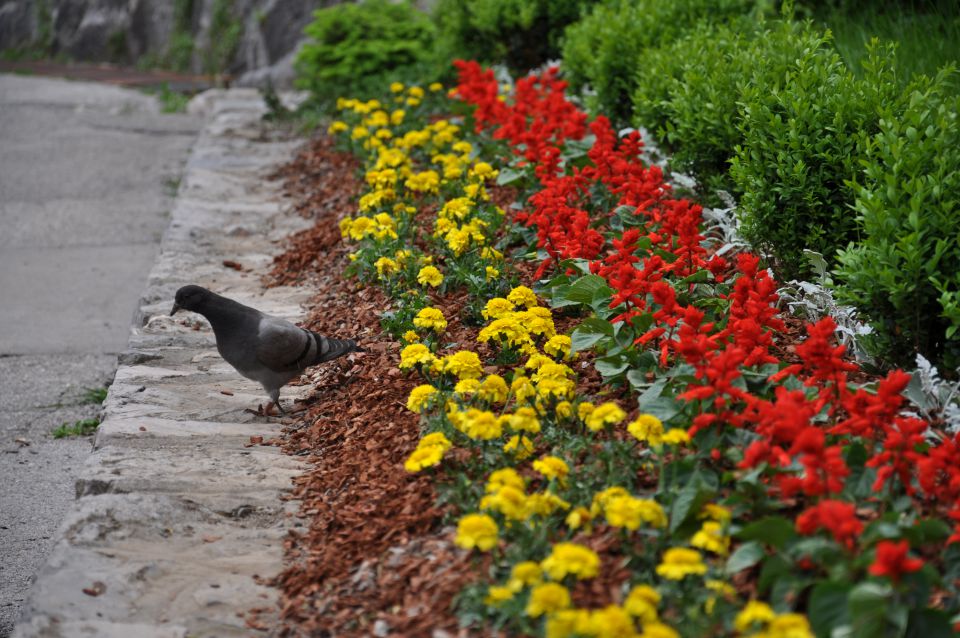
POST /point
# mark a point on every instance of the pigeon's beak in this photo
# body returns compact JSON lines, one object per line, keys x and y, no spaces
{"x":176,"y":307}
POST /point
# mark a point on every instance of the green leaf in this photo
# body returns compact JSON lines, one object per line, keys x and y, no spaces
{"x":683,"y":503}
{"x":828,"y":608}
{"x":589,"y":332}
{"x":744,"y":557}
{"x":509,"y":176}
{"x":588,"y":288}
{"x":612,"y":366}
{"x":868,"y":604}
{"x":773,"y":530}
{"x":929,"y":623}
{"x":928,"y":530}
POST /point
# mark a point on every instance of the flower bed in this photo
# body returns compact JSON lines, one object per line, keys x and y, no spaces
{"x":720,"y":481}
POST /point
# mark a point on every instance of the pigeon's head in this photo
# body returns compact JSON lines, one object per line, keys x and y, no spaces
{"x":190,"y":298}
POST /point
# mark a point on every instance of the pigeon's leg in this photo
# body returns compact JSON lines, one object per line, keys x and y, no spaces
{"x":275,"y":400}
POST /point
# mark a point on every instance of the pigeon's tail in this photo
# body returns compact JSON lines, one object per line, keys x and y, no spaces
{"x":329,"y":349}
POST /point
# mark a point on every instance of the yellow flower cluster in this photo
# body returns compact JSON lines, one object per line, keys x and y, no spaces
{"x":429,"y":452}
{"x":762,"y":622}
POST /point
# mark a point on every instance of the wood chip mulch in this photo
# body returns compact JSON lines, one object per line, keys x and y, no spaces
{"x":372,"y":557}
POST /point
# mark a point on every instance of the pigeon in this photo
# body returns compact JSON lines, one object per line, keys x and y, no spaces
{"x":262,"y":348}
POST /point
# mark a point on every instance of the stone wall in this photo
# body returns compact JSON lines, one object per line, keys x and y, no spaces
{"x":249,"y":41}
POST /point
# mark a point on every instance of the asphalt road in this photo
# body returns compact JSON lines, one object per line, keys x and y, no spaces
{"x":87,"y":178}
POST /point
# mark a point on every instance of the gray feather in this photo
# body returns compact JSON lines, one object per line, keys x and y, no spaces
{"x":266,"y":349}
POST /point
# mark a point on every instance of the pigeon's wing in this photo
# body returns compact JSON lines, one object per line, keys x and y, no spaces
{"x":282,"y":346}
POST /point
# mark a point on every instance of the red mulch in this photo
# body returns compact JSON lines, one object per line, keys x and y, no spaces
{"x":373,"y":552}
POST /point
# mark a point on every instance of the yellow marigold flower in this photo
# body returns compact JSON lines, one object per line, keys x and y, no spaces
{"x":525,"y":574}
{"x":545,"y":504}
{"x":435,"y":439}
{"x":676,"y":436}
{"x":647,"y":428}
{"x":423,"y":182}
{"x":430,"y":276}
{"x":412,"y":101}
{"x":396,"y":117}
{"x":359,"y":132}
{"x":456,"y":208}
{"x":476,"y":192}
{"x":435,"y":86}
{"x":571,"y":559}
{"x":491,"y":273}
{"x":361,"y":227}
{"x":415,"y":91}
{"x":608,"y":413}
{"x":497,"y":595}
{"x":483,"y":171}
{"x":551,"y":467}
{"x":431,"y":319}
{"x":423,"y":457}
{"x":410,"y":336}
{"x":611,"y":622}
{"x":458,"y":240}
{"x":558,"y":346}
{"x":711,"y":538}
{"x":414,"y":354}
{"x":680,"y":562}
{"x":642,"y":603}
{"x":464,"y":364}
{"x":564,"y":409}
{"x":504,"y":477}
{"x":467,"y":386}
{"x":547,"y":599}
{"x":538,"y":321}
{"x":396,"y":87}
{"x":754,"y":613}
{"x":584,"y":409}
{"x":496,"y":308}
{"x":509,"y":501}
{"x":716,"y":512}
{"x":522,"y":296}
{"x":462,"y":147}
{"x":386,"y":266}
{"x":629,"y":512}
{"x":552,"y":370}
{"x":522,"y":389}
{"x":419,"y":397}
{"x":491,"y":254}
{"x":578,"y":517}
{"x":524,"y":419}
{"x":480,"y":424}
{"x":476,"y":530}
{"x":600,"y":499}
{"x":659,"y":630}
{"x":790,"y":626}
{"x":568,"y":622}
{"x":494,"y":389}
{"x":383,"y":134}
{"x":337,"y":127}
{"x":519,"y":446}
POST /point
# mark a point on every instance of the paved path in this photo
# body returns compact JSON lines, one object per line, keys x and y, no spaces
{"x":87,"y":178}
{"x":176,"y":511}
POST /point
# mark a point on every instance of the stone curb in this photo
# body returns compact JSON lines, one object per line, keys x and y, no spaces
{"x":175,"y":516}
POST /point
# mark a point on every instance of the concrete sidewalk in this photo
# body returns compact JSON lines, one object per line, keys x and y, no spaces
{"x":175,"y":515}
{"x":87,"y":178}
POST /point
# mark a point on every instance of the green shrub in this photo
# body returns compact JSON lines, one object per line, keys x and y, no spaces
{"x":522,"y":33}
{"x":905,"y":272}
{"x":803,"y":136}
{"x":356,"y":48}
{"x":608,"y":47}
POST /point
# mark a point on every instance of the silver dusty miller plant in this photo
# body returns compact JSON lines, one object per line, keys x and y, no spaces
{"x":814,"y":300}
{"x":934,"y":396}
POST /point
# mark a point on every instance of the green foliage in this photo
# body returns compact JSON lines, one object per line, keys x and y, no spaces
{"x":905,"y":271}
{"x":354,"y":47}
{"x":522,"y":33}
{"x":83,"y":427}
{"x":803,"y":135}
{"x":94,"y":396}
{"x":607,"y":48}
{"x":225,"y":31}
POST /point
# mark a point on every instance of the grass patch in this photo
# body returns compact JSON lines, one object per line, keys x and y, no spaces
{"x":83,"y":427}
{"x":94,"y":396}
{"x":927,"y":34}
{"x":170,"y":101}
